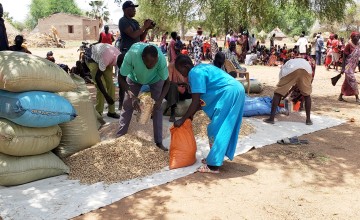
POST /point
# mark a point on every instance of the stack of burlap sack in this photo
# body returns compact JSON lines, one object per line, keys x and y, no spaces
{"x":42,"y":109}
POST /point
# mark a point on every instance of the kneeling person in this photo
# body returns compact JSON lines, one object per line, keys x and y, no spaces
{"x":294,"y":72}
{"x":144,"y":64}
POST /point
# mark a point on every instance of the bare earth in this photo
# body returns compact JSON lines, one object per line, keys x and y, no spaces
{"x":316,"y":181}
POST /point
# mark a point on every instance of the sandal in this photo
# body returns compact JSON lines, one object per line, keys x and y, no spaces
{"x":292,"y":141}
{"x":309,"y":123}
{"x":268,"y":121}
{"x":341,"y":99}
{"x":205,"y":169}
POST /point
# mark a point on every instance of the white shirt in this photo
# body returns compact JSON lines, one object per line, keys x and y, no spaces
{"x":302,"y":42}
{"x":295,"y":64}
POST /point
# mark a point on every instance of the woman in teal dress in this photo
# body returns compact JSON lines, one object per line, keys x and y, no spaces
{"x":222,"y":99}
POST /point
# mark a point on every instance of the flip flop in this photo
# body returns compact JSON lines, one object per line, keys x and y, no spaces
{"x":268,"y":121}
{"x":205,"y":169}
{"x":292,"y":141}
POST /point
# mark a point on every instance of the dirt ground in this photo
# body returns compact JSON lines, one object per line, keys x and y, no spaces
{"x":315,"y":181}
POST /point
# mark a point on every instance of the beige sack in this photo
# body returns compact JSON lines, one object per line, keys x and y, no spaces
{"x":20,"y":72}
{"x":20,"y":170}
{"x":82,"y":132}
{"x":146,"y":107}
{"x":17,"y":140}
{"x":181,"y":108}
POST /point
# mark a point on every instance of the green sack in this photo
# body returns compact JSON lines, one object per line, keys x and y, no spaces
{"x":20,"y":72}
{"x":181,"y":108}
{"x":20,"y":170}
{"x":255,"y":85}
{"x":82,"y":132}
{"x":17,"y":140}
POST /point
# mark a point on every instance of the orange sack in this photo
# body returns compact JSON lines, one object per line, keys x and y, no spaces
{"x":182,"y":146}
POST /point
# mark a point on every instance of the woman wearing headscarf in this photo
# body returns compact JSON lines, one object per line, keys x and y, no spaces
{"x":197,"y":44}
{"x":351,"y":59}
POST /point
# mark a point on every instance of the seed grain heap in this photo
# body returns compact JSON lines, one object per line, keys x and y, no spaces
{"x":201,"y":121}
{"x":117,"y":160}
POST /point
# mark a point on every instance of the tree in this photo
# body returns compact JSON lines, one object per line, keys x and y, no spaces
{"x":350,"y":22}
{"x":98,"y":11}
{"x":219,"y":16}
{"x":44,"y":8}
{"x":168,"y":14}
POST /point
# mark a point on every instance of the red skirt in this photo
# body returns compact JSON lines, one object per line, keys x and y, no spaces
{"x":328,"y":60}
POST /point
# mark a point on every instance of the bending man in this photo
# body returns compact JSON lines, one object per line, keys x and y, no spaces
{"x":295,"y":72}
{"x":144,"y":64}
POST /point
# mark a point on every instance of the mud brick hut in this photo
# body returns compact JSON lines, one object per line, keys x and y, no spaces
{"x":70,"y":27}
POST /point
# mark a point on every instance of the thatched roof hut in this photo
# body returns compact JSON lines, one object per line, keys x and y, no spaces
{"x":279,"y":35}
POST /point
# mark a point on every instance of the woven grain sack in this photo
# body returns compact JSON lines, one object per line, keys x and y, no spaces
{"x":182,"y":146}
{"x":20,"y":170}
{"x":255,"y":85}
{"x":146,"y":107}
{"x":35,"y":109}
{"x":16,"y":140}
{"x":82,"y":132}
{"x":181,"y":108}
{"x":20,"y":72}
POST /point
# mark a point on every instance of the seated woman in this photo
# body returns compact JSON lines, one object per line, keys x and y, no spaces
{"x":273,"y":59}
{"x":222,"y":99}
{"x":264,"y":57}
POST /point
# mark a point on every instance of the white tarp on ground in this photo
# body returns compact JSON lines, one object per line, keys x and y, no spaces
{"x":60,"y":198}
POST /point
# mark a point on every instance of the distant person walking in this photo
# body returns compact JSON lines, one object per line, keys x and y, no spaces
{"x":319,"y":48}
{"x":351,"y":59}
{"x":197,"y":44}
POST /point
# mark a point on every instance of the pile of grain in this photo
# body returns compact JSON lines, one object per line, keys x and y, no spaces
{"x":117,"y":160}
{"x":201,"y":121}
{"x":146,"y":131}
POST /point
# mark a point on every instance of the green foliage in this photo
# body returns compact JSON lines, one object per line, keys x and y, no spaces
{"x":18,"y":25}
{"x":44,"y":8}
{"x":169,"y":15}
{"x":349,"y":23}
{"x":218,"y":16}
{"x":98,"y":11}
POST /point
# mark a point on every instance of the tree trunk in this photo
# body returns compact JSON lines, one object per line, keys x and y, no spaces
{"x":182,"y":29}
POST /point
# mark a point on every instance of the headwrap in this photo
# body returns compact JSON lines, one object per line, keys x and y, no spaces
{"x":353,"y":34}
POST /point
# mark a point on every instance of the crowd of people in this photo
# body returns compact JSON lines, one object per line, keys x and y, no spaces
{"x":173,"y":75}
